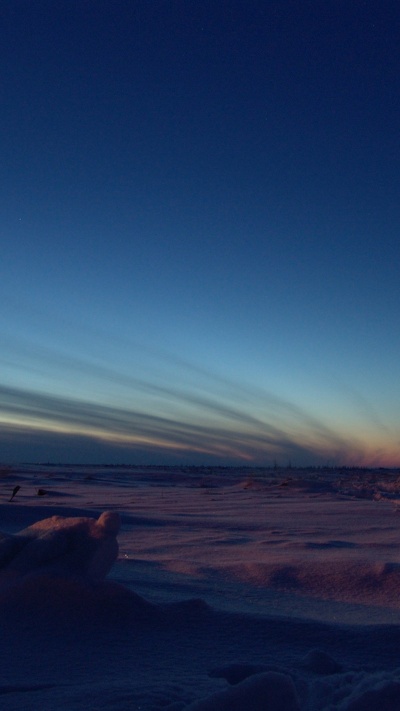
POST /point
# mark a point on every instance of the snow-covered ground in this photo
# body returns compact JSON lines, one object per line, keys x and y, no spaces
{"x":232,"y":590}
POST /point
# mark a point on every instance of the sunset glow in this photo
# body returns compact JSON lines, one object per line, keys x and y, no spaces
{"x":200,"y":234}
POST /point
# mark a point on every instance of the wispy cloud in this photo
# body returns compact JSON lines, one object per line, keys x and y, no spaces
{"x":222,"y":431}
{"x":166,"y":406}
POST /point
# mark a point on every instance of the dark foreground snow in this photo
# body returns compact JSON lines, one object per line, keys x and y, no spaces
{"x":228,"y":591}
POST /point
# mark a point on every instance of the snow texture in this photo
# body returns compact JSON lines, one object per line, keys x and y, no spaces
{"x":225,"y":590}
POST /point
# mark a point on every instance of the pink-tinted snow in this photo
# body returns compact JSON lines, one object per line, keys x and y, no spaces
{"x":229,"y":589}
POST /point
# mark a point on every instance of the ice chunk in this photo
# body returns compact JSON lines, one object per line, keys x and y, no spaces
{"x":63,"y":546}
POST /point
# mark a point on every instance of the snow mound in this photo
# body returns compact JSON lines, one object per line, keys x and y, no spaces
{"x":268,"y":690}
{"x":320,"y":662}
{"x":60,"y":546}
{"x":385,"y":696}
{"x":237,"y":672}
{"x":53,"y":572}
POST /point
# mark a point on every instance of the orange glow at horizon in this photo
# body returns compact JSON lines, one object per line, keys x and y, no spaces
{"x":375,"y":453}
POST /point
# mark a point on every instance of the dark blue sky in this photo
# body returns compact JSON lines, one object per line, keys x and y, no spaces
{"x":200,"y":231}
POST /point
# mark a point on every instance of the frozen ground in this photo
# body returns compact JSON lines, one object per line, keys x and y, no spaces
{"x":233,"y":589}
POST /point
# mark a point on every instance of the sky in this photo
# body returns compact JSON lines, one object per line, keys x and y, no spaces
{"x":200,"y":232}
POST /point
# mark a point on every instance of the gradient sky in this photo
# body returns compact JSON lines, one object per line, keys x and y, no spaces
{"x":200,"y":238}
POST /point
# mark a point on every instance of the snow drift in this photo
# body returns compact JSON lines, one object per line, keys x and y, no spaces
{"x":213,"y":598}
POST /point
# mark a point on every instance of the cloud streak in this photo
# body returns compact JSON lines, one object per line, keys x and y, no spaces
{"x":181,"y":410}
{"x":216,"y":431}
